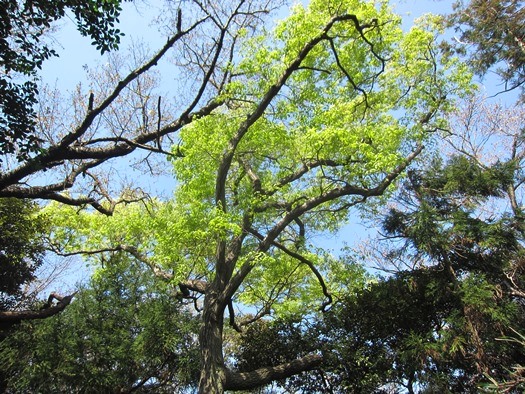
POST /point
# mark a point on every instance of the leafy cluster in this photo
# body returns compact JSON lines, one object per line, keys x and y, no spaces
{"x":122,"y":333}
{"x":23,"y":49}
{"x":21,"y":248}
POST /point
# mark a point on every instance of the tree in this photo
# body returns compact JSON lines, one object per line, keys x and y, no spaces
{"x":23,"y":50}
{"x":492,"y":36}
{"x":447,"y":234}
{"x":121,"y":334}
{"x":491,"y":137}
{"x":461,"y":223}
{"x":312,"y":120}
{"x":447,"y":316}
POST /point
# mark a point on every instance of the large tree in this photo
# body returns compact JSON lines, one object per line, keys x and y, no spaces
{"x":310,"y":120}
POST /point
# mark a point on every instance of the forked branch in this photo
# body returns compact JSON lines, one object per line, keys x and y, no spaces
{"x":11,"y":318}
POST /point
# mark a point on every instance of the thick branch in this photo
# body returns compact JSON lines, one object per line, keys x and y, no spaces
{"x":237,"y":381}
{"x":10,"y":318}
{"x":54,"y":153}
{"x":200,"y":286}
{"x":157,"y":271}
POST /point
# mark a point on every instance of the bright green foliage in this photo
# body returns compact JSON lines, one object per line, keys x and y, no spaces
{"x":122,"y":333}
{"x":179,"y":242}
{"x":348,"y":115}
{"x":21,"y":248}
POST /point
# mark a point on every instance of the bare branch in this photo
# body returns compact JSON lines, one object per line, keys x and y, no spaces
{"x":69,"y":148}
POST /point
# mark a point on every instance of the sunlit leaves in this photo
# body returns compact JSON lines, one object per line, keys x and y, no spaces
{"x":350,"y":96}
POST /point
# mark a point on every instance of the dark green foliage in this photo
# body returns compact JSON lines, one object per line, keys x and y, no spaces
{"x":440,"y":226}
{"x":21,"y":248}
{"x":432,"y":329}
{"x":271,"y":343}
{"x":463,"y":177}
{"x":23,"y":51}
{"x":492,"y":33}
{"x":441,"y":219}
{"x":122,"y":333}
{"x":416,"y":330}
{"x":412,"y":331}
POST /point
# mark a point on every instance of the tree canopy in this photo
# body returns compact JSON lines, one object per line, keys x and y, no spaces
{"x":277,"y":137}
{"x":314,"y":118}
{"x":435,"y":327}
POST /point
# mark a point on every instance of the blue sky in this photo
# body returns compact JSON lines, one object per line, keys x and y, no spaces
{"x":136,"y":22}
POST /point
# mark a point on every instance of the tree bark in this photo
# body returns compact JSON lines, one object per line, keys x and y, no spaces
{"x":213,"y":372}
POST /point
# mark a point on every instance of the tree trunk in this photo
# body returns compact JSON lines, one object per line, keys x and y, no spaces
{"x":213,"y":374}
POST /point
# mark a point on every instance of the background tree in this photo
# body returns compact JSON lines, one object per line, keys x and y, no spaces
{"x":472,"y":253}
{"x":22,"y":250}
{"x":123,"y":333}
{"x":23,"y":49}
{"x":77,"y":136}
{"x":492,"y":37}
